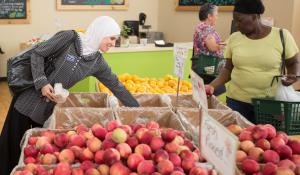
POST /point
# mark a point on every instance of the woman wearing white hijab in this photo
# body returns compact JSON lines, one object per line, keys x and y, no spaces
{"x":78,"y":56}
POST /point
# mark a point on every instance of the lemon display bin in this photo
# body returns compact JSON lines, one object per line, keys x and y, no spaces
{"x":147,"y":61}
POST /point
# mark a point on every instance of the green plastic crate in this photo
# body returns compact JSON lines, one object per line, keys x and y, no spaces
{"x":284,"y":116}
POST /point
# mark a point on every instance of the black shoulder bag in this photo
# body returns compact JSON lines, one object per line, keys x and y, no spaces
{"x":19,"y":75}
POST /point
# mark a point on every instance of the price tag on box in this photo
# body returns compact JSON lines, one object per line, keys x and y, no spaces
{"x":199,"y":94}
{"x":180,"y":55}
{"x":218,"y":145}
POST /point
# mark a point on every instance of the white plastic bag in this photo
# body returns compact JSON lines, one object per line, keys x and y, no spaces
{"x":287,"y":93}
{"x":60,"y":93}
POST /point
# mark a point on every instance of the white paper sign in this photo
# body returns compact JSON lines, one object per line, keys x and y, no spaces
{"x":218,"y":145}
{"x":180,"y":55}
{"x":199,"y":94}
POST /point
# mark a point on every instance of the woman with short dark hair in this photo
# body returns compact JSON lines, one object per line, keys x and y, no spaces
{"x":253,"y":57}
{"x":207,"y":41}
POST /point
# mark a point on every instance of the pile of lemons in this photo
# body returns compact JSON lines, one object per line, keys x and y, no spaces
{"x":137,"y":85}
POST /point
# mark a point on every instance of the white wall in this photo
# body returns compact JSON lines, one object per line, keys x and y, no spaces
{"x":44,"y":18}
{"x":179,"y":25}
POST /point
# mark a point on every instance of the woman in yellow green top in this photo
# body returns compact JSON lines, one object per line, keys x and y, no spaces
{"x":253,"y":58}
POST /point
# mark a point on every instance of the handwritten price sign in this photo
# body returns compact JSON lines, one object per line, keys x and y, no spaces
{"x":218,"y":145}
{"x":199,"y":94}
{"x":180,"y":55}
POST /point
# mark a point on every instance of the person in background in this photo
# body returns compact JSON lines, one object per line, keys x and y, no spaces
{"x":81,"y":59}
{"x":207,"y":42}
{"x":253,"y":57}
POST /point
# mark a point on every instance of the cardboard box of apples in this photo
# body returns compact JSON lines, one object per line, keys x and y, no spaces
{"x":265,"y":151}
{"x":138,"y":146}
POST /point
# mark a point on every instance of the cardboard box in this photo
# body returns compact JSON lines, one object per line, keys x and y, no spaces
{"x":68,"y":118}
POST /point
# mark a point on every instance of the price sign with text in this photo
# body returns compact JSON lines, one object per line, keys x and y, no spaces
{"x":218,"y":145}
{"x":199,"y":94}
{"x":180,"y":55}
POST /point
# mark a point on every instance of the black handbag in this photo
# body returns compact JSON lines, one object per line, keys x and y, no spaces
{"x":19,"y":75}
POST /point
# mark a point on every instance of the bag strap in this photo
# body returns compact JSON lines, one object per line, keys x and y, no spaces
{"x":282,"y":70}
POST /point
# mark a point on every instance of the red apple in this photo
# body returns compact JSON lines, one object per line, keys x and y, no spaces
{"x":62,"y":168}
{"x":134,"y":160}
{"x":144,"y":150}
{"x":286,"y":163}
{"x":284,"y":151}
{"x":49,"y":159}
{"x":106,"y":144}
{"x":245,"y":135}
{"x":99,"y":157}
{"x":77,"y":140}
{"x":111,"y":156}
{"x":240,"y":156}
{"x":113,"y":124}
{"x":67,"y":156}
{"x":175,"y":159}
{"x":119,"y":169}
{"x":250,"y":166}
{"x":271,"y":156}
{"x":168,"y":135}
{"x":61,"y":140}
{"x":161,"y":155}
{"x":81,"y":128}
{"x":86,"y":154}
{"x":271,"y":131}
{"x":165,"y":167}
{"x":256,"y":154}
{"x":283,"y":135}
{"x":198,"y":171}
{"x":295,"y":145}
{"x":156,"y":143}
{"x":263,"y":144}
{"x":103,"y":169}
{"x":30,"y":151}
{"x":188,"y":164}
{"x":152,"y":125}
{"x":132,"y":142}
{"x":235,"y":129}
{"x":124,"y":150}
{"x":269,"y":169}
{"x":94,"y":144}
{"x":246,"y":145}
{"x":276,"y":142}
{"x":146,"y":167}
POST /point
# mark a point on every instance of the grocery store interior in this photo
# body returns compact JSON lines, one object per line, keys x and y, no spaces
{"x":147,"y":53}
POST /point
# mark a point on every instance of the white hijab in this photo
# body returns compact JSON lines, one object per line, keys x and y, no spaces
{"x":100,"y":28}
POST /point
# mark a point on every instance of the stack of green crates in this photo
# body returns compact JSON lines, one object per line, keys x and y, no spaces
{"x":284,"y":116}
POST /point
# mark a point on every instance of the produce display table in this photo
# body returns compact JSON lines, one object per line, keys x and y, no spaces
{"x":144,"y":61}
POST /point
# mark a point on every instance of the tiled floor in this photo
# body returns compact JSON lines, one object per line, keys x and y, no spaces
{"x":5,"y":99}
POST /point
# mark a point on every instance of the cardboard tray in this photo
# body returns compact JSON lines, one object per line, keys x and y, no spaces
{"x":68,"y":118}
{"x":97,"y":100}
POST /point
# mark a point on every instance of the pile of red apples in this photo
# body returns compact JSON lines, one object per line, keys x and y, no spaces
{"x":264,"y":151}
{"x":144,"y":149}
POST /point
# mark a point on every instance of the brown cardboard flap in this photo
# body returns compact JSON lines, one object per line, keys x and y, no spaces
{"x":163,"y":116}
{"x":67,"y":118}
{"x":226,"y":117}
{"x":184,"y":101}
{"x":150,"y":100}
{"x":97,"y":100}
{"x":214,"y":103}
{"x":191,"y":119}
